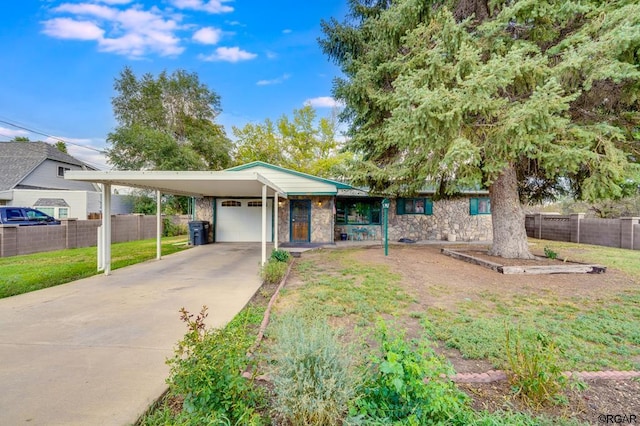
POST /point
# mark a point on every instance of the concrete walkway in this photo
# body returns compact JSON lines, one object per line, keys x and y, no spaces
{"x":93,"y":352}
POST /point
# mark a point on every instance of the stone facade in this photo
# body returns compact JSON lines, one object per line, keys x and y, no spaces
{"x":450,"y":221}
{"x":321,"y":218}
{"x":204,"y":211}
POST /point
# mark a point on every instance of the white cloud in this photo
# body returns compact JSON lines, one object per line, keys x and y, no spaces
{"x":211,"y":6}
{"x":228,"y":54}
{"x":323,"y":102}
{"x":6,"y":132}
{"x":287,"y":31}
{"x":114,"y":1}
{"x":278,"y":80}
{"x":132,"y":31}
{"x":207,"y":35}
{"x":71,"y":29}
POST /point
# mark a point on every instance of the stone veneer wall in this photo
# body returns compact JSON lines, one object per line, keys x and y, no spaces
{"x":204,"y":211}
{"x":321,"y":218}
{"x":450,"y":217}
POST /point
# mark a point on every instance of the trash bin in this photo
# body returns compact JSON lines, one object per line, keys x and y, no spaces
{"x":198,"y":232}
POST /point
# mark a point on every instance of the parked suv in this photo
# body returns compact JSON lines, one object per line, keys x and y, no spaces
{"x":25,"y":216}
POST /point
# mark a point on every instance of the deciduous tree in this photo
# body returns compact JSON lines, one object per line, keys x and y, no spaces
{"x":166,"y":123}
{"x":299,"y":143}
{"x":524,"y":97}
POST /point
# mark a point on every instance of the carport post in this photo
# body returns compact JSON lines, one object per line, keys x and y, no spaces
{"x":158,"y":225}
{"x":275,"y":221}
{"x":106,"y":227}
{"x":264,"y":224}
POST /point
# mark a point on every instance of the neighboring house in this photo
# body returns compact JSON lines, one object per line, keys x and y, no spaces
{"x":32,"y":175}
{"x":318,"y":210}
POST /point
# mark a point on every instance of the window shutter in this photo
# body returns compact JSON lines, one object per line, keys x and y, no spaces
{"x":473,"y":206}
{"x":428,"y":206}
{"x":400,"y":206}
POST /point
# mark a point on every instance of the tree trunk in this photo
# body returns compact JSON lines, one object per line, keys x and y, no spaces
{"x":509,"y":233}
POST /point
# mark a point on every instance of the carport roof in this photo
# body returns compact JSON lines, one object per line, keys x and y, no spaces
{"x":190,"y":183}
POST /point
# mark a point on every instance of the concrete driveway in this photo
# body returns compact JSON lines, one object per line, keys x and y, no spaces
{"x":93,"y":352}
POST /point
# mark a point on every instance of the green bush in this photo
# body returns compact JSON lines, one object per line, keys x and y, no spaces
{"x":170,"y":229}
{"x":313,"y":373}
{"x":273,"y":271}
{"x":404,"y":386}
{"x":205,"y":371}
{"x":280,"y":256}
{"x":533,"y":367}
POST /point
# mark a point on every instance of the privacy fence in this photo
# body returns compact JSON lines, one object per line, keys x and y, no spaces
{"x":575,"y":228}
{"x":17,"y":240}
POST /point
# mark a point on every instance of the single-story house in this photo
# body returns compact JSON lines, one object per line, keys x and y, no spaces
{"x":318,"y":210}
{"x":265,"y":203}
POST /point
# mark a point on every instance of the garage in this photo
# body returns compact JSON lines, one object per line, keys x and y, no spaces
{"x":240,"y":220}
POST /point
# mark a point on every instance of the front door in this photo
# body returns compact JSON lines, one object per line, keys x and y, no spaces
{"x":300,"y":221}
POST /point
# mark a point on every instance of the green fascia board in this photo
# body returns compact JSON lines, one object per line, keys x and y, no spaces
{"x":313,"y":194}
{"x":339,"y":185}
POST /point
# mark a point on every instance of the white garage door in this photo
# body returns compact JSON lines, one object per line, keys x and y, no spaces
{"x":240,"y":220}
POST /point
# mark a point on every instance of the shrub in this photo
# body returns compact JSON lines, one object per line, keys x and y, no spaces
{"x":205,"y":371}
{"x":313,"y":374}
{"x":273,"y":272}
{"x":170,"y":229}
{"x":404,"y":385}
{"x":280,"y":255}
{"x":551,"y":254}
{"x":533,"y":368}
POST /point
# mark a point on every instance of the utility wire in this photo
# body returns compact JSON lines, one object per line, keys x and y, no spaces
{"x":50,"y":136}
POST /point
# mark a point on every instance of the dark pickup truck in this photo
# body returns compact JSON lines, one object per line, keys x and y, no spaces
{"x":25,"y":216}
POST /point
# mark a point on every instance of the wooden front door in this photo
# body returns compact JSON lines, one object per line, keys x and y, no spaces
{"x":300,"y":221}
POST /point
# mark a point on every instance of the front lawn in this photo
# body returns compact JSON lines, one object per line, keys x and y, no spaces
{"x":22,"y":274}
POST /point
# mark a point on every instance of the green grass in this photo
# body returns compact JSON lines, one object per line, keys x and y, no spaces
{"x":22,"y":274}
{"x":353,"y":289}
{"x":627,"y":261}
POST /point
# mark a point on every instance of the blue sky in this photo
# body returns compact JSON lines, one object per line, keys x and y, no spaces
{"x":61,"y":58}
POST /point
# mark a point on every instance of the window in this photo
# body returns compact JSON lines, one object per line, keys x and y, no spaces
{"x":231,"y":203}
{"x":255,"y":203}
{"x":355,"y":211}
{"x":414,"y":206}
{"x":479,"y":206}
{"x":63,"y":212}
{"x":51,"y":211}
{"x":61,"y":170}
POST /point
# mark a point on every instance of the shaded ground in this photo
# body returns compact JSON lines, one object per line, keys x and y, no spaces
{"x":437,"y":281}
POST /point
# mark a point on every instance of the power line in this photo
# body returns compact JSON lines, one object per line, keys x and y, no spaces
{"x":50,"y":136}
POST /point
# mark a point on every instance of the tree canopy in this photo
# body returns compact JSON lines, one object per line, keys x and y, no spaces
{"x":166,"y":123}
{"x":523,"y":97}
{"x":299,"y":143}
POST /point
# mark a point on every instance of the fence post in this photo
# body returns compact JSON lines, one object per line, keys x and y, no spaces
{"x":626,"y":231}
{"x":574,"y":220}
{"x":537,"y":226}
{"x":71,"y":231}
{"x":9,"y":246}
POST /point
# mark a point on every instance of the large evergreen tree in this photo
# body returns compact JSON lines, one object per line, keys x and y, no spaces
{"x":524,"y":97}
{"x":166,"y":123}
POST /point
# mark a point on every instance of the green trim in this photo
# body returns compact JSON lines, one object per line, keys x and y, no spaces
{"x":426,"y":202}
{"x":339,"y":185}
{"x":314,"y":194}
{"x":214,"y":206}
{"x":308,"y":203}
{"x":474,"y":209}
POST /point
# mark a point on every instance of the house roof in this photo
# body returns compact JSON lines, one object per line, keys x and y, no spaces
{"x":51,"y":202}
{"x":298,"y":181}
{"x":18,"y":159}
{"x":242,"y":181}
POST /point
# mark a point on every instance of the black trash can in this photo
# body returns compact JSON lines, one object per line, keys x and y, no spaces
{"x":198,"y":232}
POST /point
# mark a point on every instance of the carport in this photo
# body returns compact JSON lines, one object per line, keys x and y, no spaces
{"x":189,"y":183}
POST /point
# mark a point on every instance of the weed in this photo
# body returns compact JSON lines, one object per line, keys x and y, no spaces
{"x":205,"y":370}
{"x":533,"y":369}
{"x":273,"y":271}
{"x":313,"y":373}
{"x":404,"y":384}
{"x":550,"y":253}
{"x":280,"y":255}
